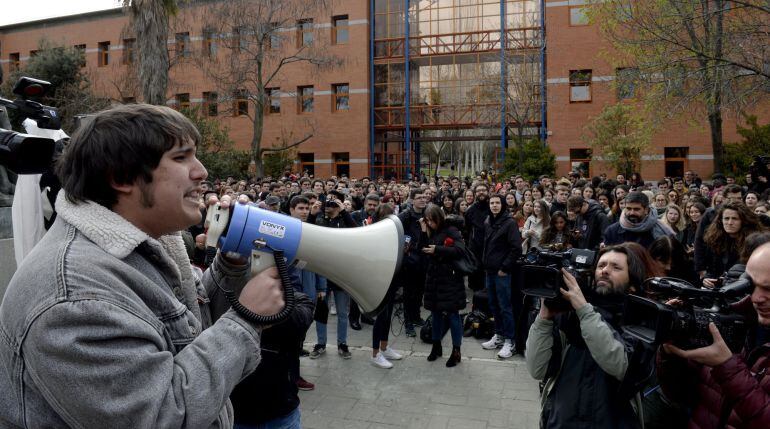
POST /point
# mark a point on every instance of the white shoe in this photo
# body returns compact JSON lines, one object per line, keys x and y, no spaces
{"x":495,"y":342}
{"x":332,"y":308}
{"x":506,"y":351}
{"x":391,"y":354}
{"x":381,"y":362}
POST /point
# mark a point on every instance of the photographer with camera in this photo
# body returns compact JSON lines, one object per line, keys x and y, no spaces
{"x":592,"y":371}
{"x":590,"y":222}
{"x":731,"y":389}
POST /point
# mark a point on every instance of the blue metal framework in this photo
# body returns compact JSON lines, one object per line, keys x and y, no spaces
{"x":371,"y":89}
{"x":503,"y":86}
{"x":543,"y":80}
{"x":407,"y":101}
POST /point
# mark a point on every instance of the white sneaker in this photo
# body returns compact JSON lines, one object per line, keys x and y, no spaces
{"x":506,"y":351}
{"x":495,"y":342}
{"x":332,"y":307}
{"x":391,"y":354}
{"x":381,"y":362}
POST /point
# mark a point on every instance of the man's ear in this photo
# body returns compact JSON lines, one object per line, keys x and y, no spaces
{"x":122,"y":188}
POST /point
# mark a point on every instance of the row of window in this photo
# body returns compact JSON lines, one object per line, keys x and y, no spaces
{"x":183,"y":47}
{"x":674,"y":158}
{"x":305,"y":100}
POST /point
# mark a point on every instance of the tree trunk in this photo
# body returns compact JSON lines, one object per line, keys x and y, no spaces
{"x":717,"y":145}
{"x":151,"y":29}
{"x":256,"y":137}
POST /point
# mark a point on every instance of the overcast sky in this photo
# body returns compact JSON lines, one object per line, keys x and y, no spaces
{"x":14,"y":11}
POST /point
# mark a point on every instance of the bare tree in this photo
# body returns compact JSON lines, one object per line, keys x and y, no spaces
{"x":688,"y":56}
{"x":261,"y":41}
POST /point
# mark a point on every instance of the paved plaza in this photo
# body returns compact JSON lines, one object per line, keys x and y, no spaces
{"x":481,"y":392}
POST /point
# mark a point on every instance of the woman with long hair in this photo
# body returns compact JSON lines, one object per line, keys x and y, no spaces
{"x":557,"y":234}
{"x":534,"y":226}
{"x":526,"y":210}
{"x":510,"y":202}
{"x":674,"y":197}
{"x":447,"y":204}
{"x":674,"y":218}
{"x":671,"y":258}
{"x":588,"y":192}
{"x":548,"y":196}
{"x":660,"y":204}
{"x":694,"y":215}
{"x":537,"y":192}
{"x":444,"y":288}
{"x":724,"y":239}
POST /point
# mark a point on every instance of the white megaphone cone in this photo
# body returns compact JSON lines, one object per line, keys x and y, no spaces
{"x":362,"y":261}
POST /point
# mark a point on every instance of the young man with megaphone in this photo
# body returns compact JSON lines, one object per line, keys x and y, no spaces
{"x":105,"y":323}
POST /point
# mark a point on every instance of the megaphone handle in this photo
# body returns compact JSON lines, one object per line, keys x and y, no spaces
{"x":288,"y":296}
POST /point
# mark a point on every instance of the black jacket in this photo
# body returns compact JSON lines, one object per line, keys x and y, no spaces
{"x":444,"y":289}
{"x":414,"y":260}
{"x":271,"y":390}
{"x":591,"y":226}
{"x":616,"y":234}
{"x":475,"y":216}
{"x":502,"y":244}
{"x":558,"y":207}
{"x":700,"y":257}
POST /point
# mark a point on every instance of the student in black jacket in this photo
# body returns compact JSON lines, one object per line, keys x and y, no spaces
{"x":502,"y":247}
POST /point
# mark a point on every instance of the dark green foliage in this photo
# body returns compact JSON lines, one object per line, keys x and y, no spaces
{"x":755,"y":141}
{"x":538,"y":160}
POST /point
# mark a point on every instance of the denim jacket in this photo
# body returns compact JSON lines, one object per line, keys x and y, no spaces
{"x":103,"y":326}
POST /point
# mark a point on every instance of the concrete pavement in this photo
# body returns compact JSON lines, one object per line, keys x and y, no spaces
{"x":481,"y":392}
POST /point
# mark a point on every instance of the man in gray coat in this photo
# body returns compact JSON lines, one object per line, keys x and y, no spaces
{"x":105,"y":324}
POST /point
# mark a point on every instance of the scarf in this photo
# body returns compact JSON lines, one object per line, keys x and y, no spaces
{"x":650,"y":223}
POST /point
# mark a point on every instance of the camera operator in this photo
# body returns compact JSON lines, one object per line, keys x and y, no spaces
{"x":731,"y":390}
{"x":592,"y":371}
{"x":105,"y":324}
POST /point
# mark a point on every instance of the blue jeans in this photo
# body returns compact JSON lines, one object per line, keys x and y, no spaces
{"x":289,"y":421}
{"x":455,"y":326}
{"x":342,"y":299}
{"x":499,"y":289}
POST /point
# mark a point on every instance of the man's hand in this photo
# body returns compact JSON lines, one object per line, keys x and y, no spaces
{"x":545,"y":312}
{"x":715,"y":354}
{"x":573,"y":294}
{"x":710,"y":283}
{"x":501,"y":273}
{"x":320,"y":295}
{"x":316,"y":208}
{"x":263,"y":294}
{"x":430,"y":250}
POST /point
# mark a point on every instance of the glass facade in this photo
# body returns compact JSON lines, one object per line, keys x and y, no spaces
{"x":451,"y":70}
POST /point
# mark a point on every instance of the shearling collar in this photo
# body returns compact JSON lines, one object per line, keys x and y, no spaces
{"x":107,"y":229}
{"x":119,"y":237}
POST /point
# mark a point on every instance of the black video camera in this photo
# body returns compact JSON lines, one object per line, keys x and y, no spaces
{"x":542,"y":276}
{"x":23,"y":153}
{"x":687,"y":327}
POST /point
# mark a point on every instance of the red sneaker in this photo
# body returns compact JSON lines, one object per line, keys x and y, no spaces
{"x":303,"y":384}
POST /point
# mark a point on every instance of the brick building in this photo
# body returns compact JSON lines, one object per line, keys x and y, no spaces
{"x":372,"y":114}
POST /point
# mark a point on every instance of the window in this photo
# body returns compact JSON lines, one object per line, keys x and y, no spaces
{"x":274,"y":40}
{"x":340,"y":29}
{"x":304,"y":32}
{"x":580,"y":86}
{"x":240,"y":102}
{"x":104,"y":54}
{"x":625,"y":82}
{"x":239,"y":40}
{"x":273,"y":100}
{"x":305,"y":102}
{"x":33,"y":53}
{"x":580,"y":161}
{"x":307,"y":163}
{"x":209,"y":43}
{"x":341,"y":163}
{"x":577,"y":16}
{"x":182,"y":44}
{"x":341,"y":96}
{"x":210,"y":106}
{"x":14,"y":61}
{"x":82,"y":50}
{"x":129,"y":51}
{"x":182,"y":101}
{"x":675,"y":160}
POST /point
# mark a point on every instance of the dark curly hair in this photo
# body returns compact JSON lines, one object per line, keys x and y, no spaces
{"x":719,"y":241}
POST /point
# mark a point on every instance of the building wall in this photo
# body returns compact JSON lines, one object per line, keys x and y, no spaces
{"x":333,"y":131}
{"x":582,"y":47}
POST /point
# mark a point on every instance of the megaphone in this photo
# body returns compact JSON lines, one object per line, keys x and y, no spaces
{"x":361,"y":261}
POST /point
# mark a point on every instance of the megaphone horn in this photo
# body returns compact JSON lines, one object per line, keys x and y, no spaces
{"x":361,"y":261}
